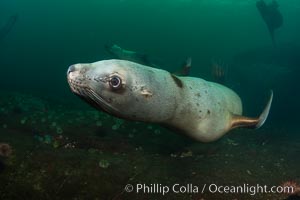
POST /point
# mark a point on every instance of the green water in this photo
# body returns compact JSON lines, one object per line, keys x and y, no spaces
{"x":49,"y":36}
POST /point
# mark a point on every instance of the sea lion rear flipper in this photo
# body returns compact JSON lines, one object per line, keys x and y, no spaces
{"x":247,"y":122}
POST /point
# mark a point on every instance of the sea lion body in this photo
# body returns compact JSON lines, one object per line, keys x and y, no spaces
{"x":271,"y":15}
{"x":205,"y":108}
{"x":201,"y":109}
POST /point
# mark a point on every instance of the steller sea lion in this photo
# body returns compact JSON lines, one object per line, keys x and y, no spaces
{"x":271,"y":15}
{"x":198,"y":108}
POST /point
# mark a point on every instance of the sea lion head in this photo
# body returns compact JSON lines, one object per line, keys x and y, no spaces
{"x":102,"y":84}
{"x":121,"y":88}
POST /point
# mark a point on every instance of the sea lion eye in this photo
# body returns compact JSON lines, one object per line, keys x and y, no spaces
{"x":115,"y":82}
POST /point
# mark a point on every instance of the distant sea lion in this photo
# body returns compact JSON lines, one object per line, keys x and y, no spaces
{"x":203,"y":110}
{"x":143,"y":59}
{"x":271,"y":15}
{"x":129,"y":55}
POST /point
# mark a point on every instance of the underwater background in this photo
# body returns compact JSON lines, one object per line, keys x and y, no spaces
{"x":61,"y":148}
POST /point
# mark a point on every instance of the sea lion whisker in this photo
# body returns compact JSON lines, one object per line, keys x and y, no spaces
{"x":99,"y":100}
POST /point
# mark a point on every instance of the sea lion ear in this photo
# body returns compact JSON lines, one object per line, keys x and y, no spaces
{"x":146,"y":93}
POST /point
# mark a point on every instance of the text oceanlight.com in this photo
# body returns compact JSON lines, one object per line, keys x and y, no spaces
{"x":210,"y":188}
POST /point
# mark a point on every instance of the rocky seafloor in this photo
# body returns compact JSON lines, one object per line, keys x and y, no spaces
{"x":63,"y":153}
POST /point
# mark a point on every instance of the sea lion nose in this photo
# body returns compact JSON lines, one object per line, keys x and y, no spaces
{"x":71,"y":69}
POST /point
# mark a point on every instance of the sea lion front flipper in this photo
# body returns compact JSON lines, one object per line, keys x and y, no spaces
{"x":247,"y":122}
